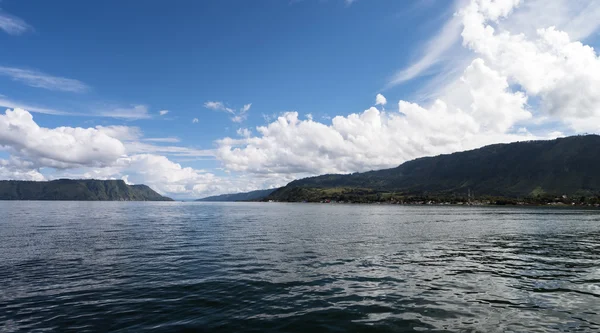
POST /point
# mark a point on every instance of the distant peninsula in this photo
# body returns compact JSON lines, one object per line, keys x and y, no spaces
{"x":246,"y":196}
{"x":77,"y":190}
{"x":561,"y":171}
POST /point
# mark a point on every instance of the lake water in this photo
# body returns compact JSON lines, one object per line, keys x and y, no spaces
{"x":259,"y":267}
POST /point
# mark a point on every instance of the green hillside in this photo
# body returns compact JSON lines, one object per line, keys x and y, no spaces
{"x":67,"y":189}
{"x":523,"y":169}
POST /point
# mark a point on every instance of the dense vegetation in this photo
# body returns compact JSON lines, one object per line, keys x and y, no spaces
{"x":531,"y":171}
{"x":67,"y":189}
{"x":247,"y":196}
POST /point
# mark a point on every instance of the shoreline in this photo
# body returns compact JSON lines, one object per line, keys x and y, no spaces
{"x":549,"y":205}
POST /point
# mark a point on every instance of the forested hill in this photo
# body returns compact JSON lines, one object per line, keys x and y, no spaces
{"x":67,"y":189}
{"x":247,"y":196}
{"x":563,"y":166}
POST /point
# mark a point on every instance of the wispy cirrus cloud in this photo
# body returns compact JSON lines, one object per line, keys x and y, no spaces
{"x":242,"y":114}
{"x":237,"y":116}
{"x":163,"y":140}
{"x":244,"y":132}
{"x":42,"y":80}
{"x":246,"y":108}
{"x":13,"y":25}
{"x":135,"y":142}
{"x":137,"y":147}
{"x":436,"y":50}
{"x":8,"y":103}
{"x":121,"y":132}
{"x":134,"y":112}
{"x":218,"y":106}
{"x":348,"y":3}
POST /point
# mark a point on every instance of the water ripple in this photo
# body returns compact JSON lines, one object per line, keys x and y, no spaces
{"x":88,"y":267}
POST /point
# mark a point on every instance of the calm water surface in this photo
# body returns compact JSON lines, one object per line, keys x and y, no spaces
{"x":170,"y":267}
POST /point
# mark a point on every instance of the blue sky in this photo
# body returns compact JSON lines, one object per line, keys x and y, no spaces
{"x":310,"y":56}
{"x":82,"y":64}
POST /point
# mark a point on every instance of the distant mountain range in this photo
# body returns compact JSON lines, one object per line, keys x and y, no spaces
{"x":67,"y":189}
{"x":247,"y":196}
{"x":566,"y":166}
{"x":563,"y":166}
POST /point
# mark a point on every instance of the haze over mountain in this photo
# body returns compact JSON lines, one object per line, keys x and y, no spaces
{"x":67,"y":189}
{"x":562,"y":166}
{"x":246,"y":196}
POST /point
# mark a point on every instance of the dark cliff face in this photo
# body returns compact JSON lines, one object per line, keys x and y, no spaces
{"x":68,"y":189}
{"x":562,"y":166}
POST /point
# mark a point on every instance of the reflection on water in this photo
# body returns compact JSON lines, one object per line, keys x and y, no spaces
{"x":102,"y":266}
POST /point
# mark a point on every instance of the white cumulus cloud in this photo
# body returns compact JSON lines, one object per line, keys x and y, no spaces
{"x":374,"y":139}
{"x":480,"y":108}
{"x":563,"y":74}
{"x":103,"y":152}
{"x":61,"y":147}
{"x":521,"y":78}
{"x":380,"y":100}
{"x":14,"y":168}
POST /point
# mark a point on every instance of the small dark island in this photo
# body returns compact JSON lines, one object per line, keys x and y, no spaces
{"x":77,"y":190}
